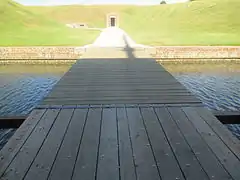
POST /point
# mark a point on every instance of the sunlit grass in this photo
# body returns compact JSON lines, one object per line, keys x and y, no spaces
{"x":19,"y":26}
{"x":201,"y":22}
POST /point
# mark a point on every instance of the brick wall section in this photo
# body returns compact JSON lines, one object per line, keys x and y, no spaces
{"x":29,"y":53}
{"x":195,"y":52}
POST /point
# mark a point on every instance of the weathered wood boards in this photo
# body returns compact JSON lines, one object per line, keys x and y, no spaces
{"x":118,"y":81}
{"x":140,"y":142}
{"x":120,"y":119}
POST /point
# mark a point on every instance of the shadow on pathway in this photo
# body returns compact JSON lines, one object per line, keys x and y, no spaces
{"x":129,"y":51}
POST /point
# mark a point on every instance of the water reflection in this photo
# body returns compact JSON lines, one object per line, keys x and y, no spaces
{"x":22,"y":87}
{"x":217,"y":85}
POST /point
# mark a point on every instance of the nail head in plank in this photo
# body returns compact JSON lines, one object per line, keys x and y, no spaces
{"x":44,"y":160}
{"x":65,"y":160}
{"x":85,"y":167}
{"x":9,"y":151}
{"x":146,"y":167}
{"x":186,"y":158}
{"x":108,"y":167}
{"x":23,"y":160}
{"x":127,"y":167}
{"x":168,"y":165}
{"x":229,"y":139}
{"x":224,"y":154}
{"x":205,"y":156}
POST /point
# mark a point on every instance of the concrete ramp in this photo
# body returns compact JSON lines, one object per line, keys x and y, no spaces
{"x":114,"y":37}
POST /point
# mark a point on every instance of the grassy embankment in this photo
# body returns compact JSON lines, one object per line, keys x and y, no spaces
{"x":201,"y":22}
{"x":20,"y":26}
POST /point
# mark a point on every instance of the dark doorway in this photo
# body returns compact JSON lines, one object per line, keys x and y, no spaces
{"x":113,"y":21}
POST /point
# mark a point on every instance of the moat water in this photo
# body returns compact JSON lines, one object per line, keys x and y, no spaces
{"x":217,"y":85}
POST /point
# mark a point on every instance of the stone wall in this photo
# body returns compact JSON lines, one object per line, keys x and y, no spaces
{"x":188,"y":52}
{"x":161,"y":52}
{"x":31,"y":53}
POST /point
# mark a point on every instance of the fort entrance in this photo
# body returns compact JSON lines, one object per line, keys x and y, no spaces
{"x":112,"y":20}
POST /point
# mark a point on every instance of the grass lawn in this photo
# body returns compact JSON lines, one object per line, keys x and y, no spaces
{"x":20,"y":26}
{"x":201,"y":22}
{"x":48,"y":36}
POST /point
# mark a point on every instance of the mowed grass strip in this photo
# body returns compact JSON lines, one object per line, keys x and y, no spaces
{"x":200,"y":22}
{"x":21,"y":26}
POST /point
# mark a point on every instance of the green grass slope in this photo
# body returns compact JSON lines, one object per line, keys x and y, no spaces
{"x":201,"y":22}
{"x":20,"y":26}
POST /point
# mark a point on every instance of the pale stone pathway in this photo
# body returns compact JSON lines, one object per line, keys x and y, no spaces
{"x":114,"y":37}
{"x":113,"y":42}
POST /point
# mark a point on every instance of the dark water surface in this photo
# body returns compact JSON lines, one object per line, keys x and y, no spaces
{"x":22,"y":87}
{"x":217,"y":85}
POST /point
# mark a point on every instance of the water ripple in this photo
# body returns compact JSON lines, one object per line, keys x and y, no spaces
{"x":217,"y":86}
{"x":21,"y":92}
{"x":215,"y":91}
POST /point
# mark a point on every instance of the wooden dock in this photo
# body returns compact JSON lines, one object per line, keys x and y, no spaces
{"x":120,"y":119}
{"x":118,"y":81}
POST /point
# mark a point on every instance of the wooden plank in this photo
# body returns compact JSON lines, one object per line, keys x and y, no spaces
{"x":166,"y":161}
{"x":205,"y":156}
{"x":96,"y":96}
{"x":116,"y":89}
{"x":144,"y":80}
{"x":168,"y":84}
{"x":103,"y":84}
{"x":84,"y":88}
{"x":127,"y":167}
{"x":127,"y":79}
{"x":122,"y":89}
{"x":186,"y":158}
{"x":121,"y":75}
{"x":119,"y":86}
{"x":119,"y":101}
{"x":223,"y":153}
{"x":145,"y":163}
{"x":13,"y":146}
{"x":65,"y":160}
{"x":108,"y":167}
{"x":151,"y":76}
{"x":226,"y":136}
{"x":119,"y":94}
{"x":85,"y":167}
{"x":45,"y":158}
{"x":118,"y":81}
{"x":25,"y":156}
{"x":118,"y":97}
{"x":5,"y":135}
